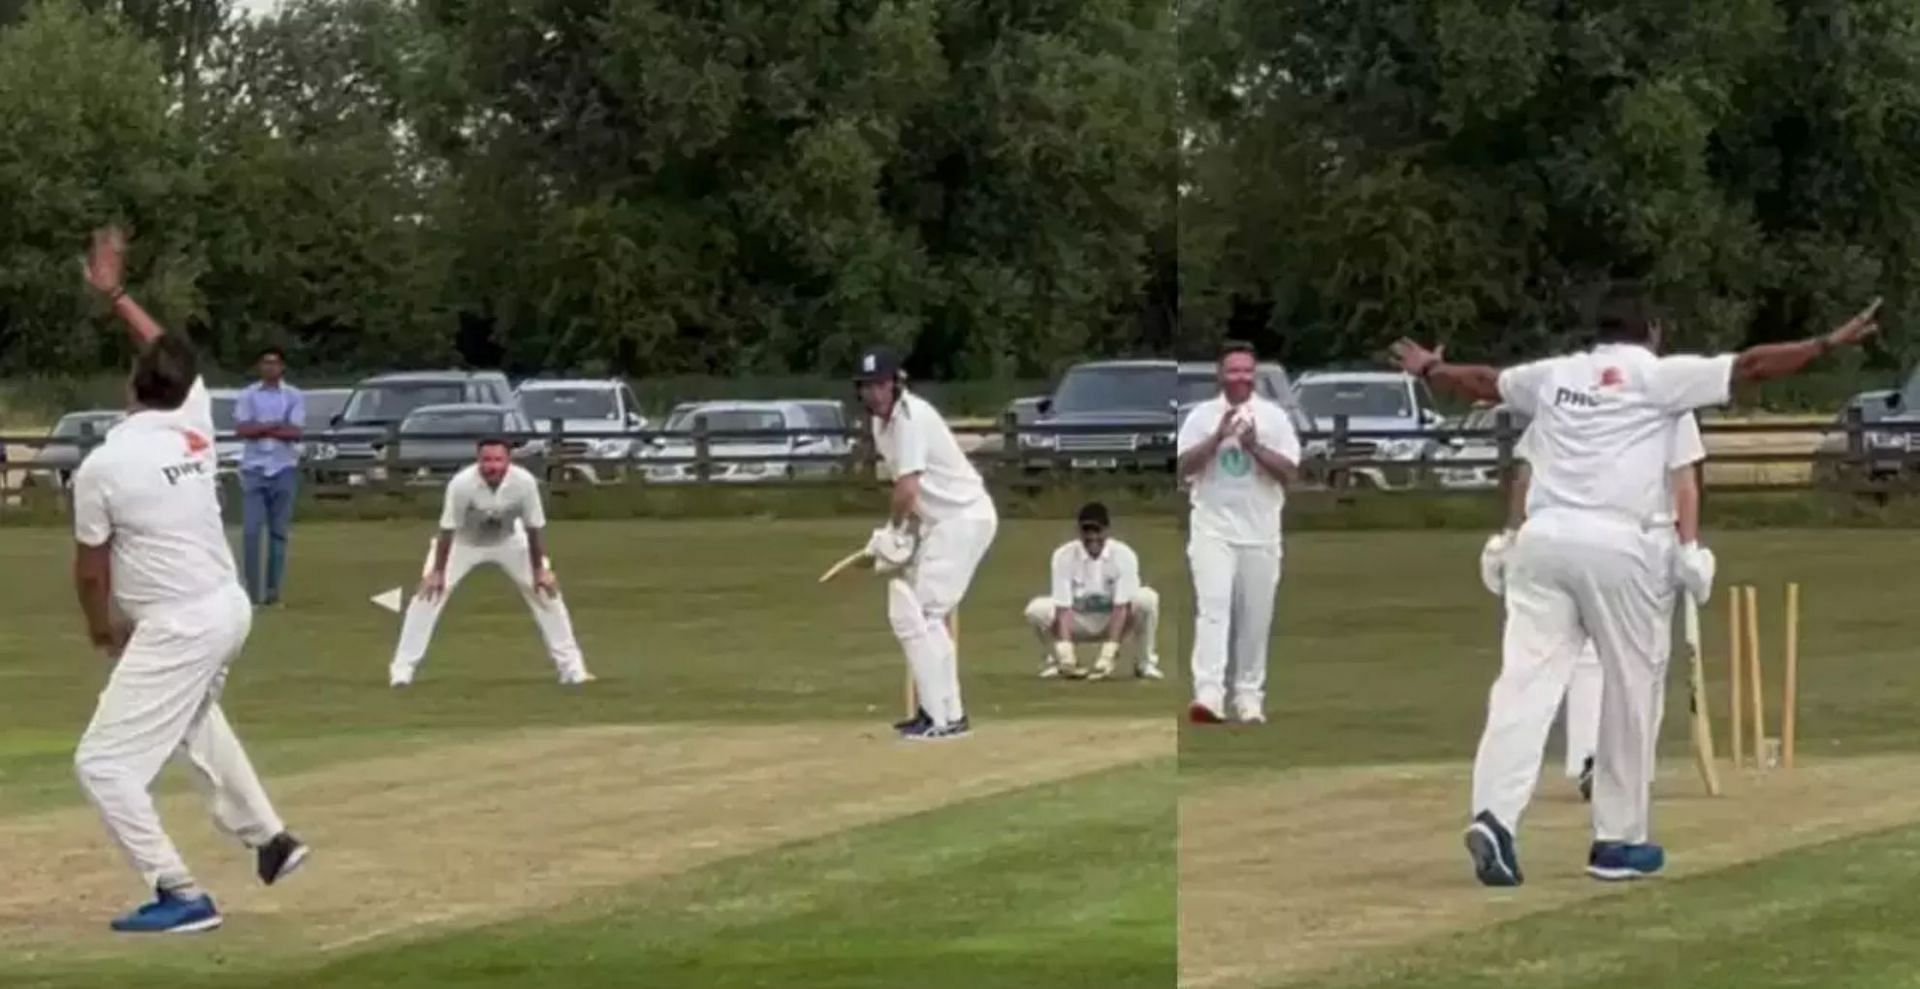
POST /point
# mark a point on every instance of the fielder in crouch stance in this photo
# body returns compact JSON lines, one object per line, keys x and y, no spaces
{"x":1521,"y":705}
{"x":146,"y":517}
{"x":939,"y":528}
{"x":1096,"y":597}
{"x":1239,"y":451}
{"x":492,"y":515}
{"x":1590,"y":559}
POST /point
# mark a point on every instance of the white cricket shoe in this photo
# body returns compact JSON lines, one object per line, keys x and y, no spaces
{"x":1149,"y":669}
{"x":577,"y":679}
{"x":1247,"y":714}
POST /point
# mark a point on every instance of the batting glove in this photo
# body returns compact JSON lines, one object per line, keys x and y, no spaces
{"x":1693,"y":568}
{"x":1493,"y":563}
{"x":891,"y":548}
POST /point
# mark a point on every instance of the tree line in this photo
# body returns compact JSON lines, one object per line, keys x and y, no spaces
{"x":1476,"y":171}
{"x":644,"y":187}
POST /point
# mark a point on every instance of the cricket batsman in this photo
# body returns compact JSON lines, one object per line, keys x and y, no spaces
{"x":1593,"y":557}
{"x":492,"y":514}
{"x":1096,"y":596}
{"x":1520,"y":707}
{"x":940,"y":524}
{"x":150,"y":544}
{"x":1238,"y":452}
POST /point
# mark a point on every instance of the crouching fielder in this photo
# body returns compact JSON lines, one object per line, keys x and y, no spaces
{"x":941,"y":523}
{"x":1097,"y":597}
{"x":146,"y":517}
{"x":492,"y":515}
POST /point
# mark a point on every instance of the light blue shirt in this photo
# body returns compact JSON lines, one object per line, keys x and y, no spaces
{"x":270,"y":405}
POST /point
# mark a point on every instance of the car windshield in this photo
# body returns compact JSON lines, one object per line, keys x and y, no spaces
{"x":387,"y":403}
{"x":455,"y":423}
{"x":1368,"y":399}
{"x":322,"y":406}
{"x":729,"y":421}
{"x":1195,"y":388}
{"x":1116,"y":389}
{"x":570,"y":403}
{"x":72,"y":425}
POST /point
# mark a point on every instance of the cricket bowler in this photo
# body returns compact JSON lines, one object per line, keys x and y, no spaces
{"x":1238,"y":452}
{"x":1096,"y":596}
{"x":1593,"y":557}
{"x":150,"y":543}
{"x":941,"y":521}
{"x":1521,"y":704}
{"x":492,"y":515}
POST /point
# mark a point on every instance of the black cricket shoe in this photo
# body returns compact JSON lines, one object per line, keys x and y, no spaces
{"x":278,"y":858}
{"x":1586,"y":781}
{"x":920,"y":719}
{"x":1495,"y":863}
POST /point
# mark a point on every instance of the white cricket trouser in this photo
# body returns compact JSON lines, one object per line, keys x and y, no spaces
{"x":550,"y":613}
{"x":1233,"y":617}
{"x":1574,"y":576}
{"x":162,"y":699}
{"x":1143,"y":623}
{"x":920,"y":599}
{"x":1580,"y":715}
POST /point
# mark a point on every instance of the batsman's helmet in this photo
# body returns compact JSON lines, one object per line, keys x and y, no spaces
{"x":878,"y":364}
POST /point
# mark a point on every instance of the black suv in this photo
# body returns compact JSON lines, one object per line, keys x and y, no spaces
{"x":350,"y":450}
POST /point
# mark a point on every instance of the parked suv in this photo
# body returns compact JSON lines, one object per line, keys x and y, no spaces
{"x":352,"y":447}
{"x":1126,"y":410}
{"x":599,"y":421}
{"x":817,"y":434}
{"x":1376,"y":401}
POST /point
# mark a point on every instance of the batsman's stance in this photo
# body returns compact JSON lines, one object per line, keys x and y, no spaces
{"x":939,"y":528}
{"x":146,"y":517}
{"x":1521,"y":705}
{"x":1239,"y":451}
{"x":1591,"y":559}
{"x":1096,"y":597}
{"x":492,"y":515}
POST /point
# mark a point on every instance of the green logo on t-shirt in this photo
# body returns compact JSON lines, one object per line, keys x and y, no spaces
{"x":1234,"y":462}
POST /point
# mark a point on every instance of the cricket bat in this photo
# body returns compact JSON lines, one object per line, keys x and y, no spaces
{"x":1697,"y":700}
{"x":850,"y":560}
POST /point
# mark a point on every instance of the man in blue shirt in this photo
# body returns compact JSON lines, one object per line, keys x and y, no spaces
{"x":268,"y":415}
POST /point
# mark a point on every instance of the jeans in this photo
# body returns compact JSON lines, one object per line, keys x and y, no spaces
{"x":268,"y":504}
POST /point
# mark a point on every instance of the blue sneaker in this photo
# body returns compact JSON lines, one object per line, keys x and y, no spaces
{"x":1495,"y":862}
{"x":170,"y":913}
{"x":929,"y":732}
{"x":1615,"y":860}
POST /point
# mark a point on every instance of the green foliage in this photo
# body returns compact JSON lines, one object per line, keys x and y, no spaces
{"x":1472,"y":171}
{"x":638,"y":186}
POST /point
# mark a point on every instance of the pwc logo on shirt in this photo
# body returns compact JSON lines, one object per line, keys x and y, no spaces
{"x":195,"y":465}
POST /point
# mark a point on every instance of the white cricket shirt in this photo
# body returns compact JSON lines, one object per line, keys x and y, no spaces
{"x":483,"y":516}
{"x":915,"y":440}
{"x":1233,"y":499}
{"x":1604,"y":424}
{"x":151,"y":488}
{"x":1095,"y":584}
{"x":1686,"y":450}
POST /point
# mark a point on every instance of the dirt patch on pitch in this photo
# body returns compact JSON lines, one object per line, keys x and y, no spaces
{"x":1284,"y":878}
{"x":474,"y":832}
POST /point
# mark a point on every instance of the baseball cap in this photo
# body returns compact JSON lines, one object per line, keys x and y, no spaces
{"x":1095,"y":514}
{"x":877,"y":364}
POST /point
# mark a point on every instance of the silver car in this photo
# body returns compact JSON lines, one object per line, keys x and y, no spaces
{"x":599,"y":421}
{"x":83,"y":431}
{"x":437,"y":440}
{"x":815,"y":431}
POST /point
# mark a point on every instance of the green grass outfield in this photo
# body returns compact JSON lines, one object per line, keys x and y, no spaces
{"x":1323,"y":849}
{"x":724,"y":808}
